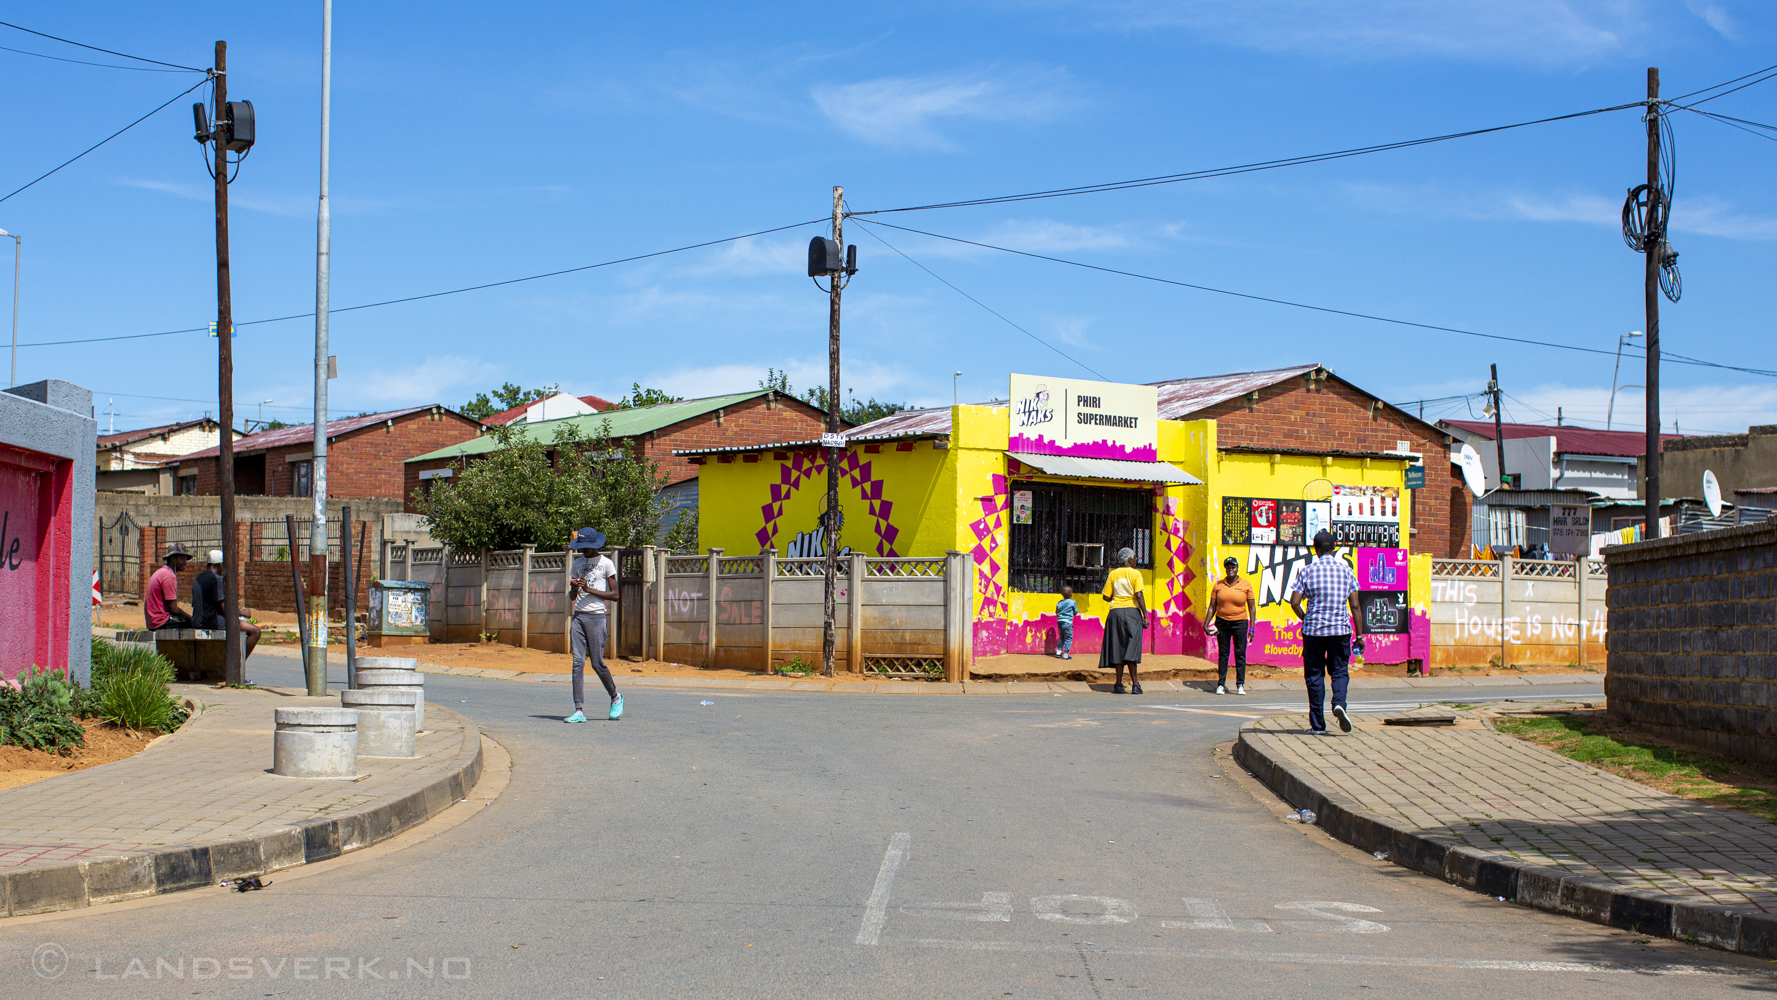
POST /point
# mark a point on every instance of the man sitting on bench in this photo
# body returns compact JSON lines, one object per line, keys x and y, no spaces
{"x":209,"y":603}
{"x":161,"y":603}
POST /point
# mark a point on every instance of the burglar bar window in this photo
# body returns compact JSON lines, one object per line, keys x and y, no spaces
{"x":1074,"y":534}
{"x":301,"y":482}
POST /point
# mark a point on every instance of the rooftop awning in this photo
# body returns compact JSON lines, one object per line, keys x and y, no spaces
{"x":1109,"y":468}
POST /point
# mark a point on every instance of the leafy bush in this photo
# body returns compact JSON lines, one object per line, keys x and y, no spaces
{"x":38,"y":715}
{"x":130,"y":689}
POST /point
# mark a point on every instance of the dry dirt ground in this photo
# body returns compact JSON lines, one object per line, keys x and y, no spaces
{"x":104,"y":744}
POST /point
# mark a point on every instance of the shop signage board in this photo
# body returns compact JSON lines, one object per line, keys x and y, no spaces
{"x":1570,"y":529}
{"x":1086,"y":419}
{"x":1415,"y":477}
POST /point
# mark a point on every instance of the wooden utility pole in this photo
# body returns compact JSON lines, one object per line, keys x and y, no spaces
{"x":1499,"y":438}
{"x":830,"y":539}
{"x":234,"y":669}
{"x":1655,"y":242}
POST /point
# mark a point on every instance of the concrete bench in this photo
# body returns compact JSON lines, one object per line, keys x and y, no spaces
{"x":198,"y":655}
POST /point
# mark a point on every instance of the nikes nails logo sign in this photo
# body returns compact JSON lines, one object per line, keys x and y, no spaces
{"x":1084,"y":419}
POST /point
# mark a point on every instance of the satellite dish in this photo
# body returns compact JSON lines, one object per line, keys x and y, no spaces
{"x":1472,"y":473}
{"x":1711,"y":493}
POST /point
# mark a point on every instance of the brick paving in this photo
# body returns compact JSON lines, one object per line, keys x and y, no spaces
{"x":1504,"y":796}
{"x":210,"y":780}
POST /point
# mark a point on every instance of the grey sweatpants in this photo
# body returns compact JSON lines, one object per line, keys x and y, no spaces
{"x":586,"y":639}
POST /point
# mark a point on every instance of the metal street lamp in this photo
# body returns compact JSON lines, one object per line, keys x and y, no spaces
{"x":1613,"y":377}
{"x":953,"y":396}
{"x":18,"y":250}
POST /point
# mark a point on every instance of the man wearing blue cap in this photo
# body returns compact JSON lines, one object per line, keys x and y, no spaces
{"x":590,"y":586}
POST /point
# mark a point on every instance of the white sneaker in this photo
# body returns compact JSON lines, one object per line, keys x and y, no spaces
{"x":1221,"y":689}
{"x":1242,"y":689}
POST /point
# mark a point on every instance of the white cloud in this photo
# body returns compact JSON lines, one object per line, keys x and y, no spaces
{"x":1540,"y":31}
{"x":440,"y":378}
{"x":1048,"y":234}
{"x":865,"y":379}
{"x":286,"y":206}
{"x":1698,"y":409}
{"x":906,"y":111}
{"x":1714,"y":16}
{"x":758,"y":255}
{"x":1702,"y":215}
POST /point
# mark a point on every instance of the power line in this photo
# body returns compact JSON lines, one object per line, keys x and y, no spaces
{"x":112,"y":136}
{"x":1735,"y":123}
{"x":1743,"y":86}
{"x":987,"y":307}
{"x":95,"y":48}
{"x":83,"y":62}
{"x":434,"y":295}
{"x":1303,"y":305}
{"x":1244,"y":168}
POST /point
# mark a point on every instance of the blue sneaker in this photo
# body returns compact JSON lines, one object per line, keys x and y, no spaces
{"x":578,"y":716}
{"x":616,"y":708}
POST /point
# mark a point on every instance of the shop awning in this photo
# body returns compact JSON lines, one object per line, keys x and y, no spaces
{"x":1109,"y":468}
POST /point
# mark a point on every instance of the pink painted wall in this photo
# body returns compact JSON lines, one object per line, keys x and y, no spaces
{"x":36,"y":534}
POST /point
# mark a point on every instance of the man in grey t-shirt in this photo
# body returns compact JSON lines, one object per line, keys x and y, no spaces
{"x":592,"y":582}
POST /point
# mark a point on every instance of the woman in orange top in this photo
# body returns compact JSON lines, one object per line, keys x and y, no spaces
{"x":1230,"y":615}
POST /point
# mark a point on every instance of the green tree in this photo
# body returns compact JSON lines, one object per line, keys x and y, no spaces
{"x":856,"y":411}
{"x":485,"y":405}
{"x":515,"y":496}
{"x":682,"y":536}
{"x":639,"y":397}
{"x":777,"y":380}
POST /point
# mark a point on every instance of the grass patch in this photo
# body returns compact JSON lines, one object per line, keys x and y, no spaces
{"x":1698,"y":775}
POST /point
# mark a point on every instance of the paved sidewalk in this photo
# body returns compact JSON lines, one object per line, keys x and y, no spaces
{"x":1512,"y":819}
{"x":202,"y":805}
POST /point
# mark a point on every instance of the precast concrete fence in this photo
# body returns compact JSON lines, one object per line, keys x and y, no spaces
{"x":1518,"y":612}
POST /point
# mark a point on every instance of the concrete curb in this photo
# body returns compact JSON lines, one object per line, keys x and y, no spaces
{"x":76,"y":884}
{"x":1504,"y":877}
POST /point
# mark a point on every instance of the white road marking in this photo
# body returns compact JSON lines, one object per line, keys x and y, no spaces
{"x":1341,"y":924}
{"x":876,"y":909}
{"x":995,"y":907}
{"x":1110,"y":909}
{"x":1208,"y":915}
{"x":1306,"y":958}
{"x":1205,"y":711}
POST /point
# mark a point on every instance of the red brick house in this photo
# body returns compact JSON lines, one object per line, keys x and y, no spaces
{"x":1306,"y":408}
{"x":744,"y":418}
{"x":364,"y":455}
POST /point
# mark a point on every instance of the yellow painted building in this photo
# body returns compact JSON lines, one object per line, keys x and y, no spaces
{"x":924,"y":482}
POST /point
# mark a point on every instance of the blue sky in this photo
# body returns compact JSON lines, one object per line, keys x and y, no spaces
{"x":475,"y":143}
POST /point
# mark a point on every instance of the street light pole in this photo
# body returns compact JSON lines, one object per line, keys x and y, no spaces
{"x":318,"y":478}
{"x":18,"y":251}
{"x":1611,"y":410}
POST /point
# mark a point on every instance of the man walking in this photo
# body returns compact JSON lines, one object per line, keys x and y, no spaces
{"x":1330,"y":589}
{"x":590,"y":586}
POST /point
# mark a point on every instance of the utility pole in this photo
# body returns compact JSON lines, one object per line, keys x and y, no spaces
{"x":234,"y":669}
{"x":317,"y":679}
{"x":1654,"y":246}
{"x":830,"y":543}
{"x":1499,"y":438}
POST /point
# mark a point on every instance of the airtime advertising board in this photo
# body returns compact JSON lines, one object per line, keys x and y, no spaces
{"x":1055,"y":416}
{"x":1366,"y":516}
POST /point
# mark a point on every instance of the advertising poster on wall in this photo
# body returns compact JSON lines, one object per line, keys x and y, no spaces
{"x":1292,"y":522}
{"x":1319,"y":517}
{"x":1570,"y":529}
{"x":1366,"y":515}
{"x":1264,"y":522}
{"x":1021,"y":505}
{"x":1237,"y":526}
{"x":1057,"y":416}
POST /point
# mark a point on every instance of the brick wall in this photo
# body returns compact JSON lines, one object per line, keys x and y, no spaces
{"x":363,"y":463}
{"x":1693,"y":626}
{"x":1337,"y":417}
{"x":267,"y":584}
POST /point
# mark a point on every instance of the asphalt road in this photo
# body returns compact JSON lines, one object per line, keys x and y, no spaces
{"x":779,"y":845}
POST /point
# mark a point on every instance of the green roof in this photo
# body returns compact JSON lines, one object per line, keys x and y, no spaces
{"x":624,"y":423}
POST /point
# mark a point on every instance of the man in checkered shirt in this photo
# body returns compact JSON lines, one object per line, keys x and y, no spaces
{"x":1330,"y":589}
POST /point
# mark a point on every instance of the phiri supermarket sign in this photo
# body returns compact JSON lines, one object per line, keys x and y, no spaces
{"x":1057,"y":416}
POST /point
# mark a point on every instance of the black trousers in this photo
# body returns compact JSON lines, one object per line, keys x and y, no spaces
{"x":1231,"y":633}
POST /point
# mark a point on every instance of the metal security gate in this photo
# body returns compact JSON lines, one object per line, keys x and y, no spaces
{"x":120,"y":556}
{"x":1074,"y":534}
{"x":631,"y":602}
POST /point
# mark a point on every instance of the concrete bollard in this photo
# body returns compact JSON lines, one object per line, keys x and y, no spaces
{"x":315,"y":743}
{"x":385,"y":721}
{"x":395,"y":672}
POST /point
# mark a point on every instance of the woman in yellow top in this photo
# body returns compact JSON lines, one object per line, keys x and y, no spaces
{"x":1128,"y":617}
{"x":1230,"y":616}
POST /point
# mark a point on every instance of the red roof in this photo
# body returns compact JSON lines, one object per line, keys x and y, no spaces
{"x":505,"y":417}
{"x":1568,"y":440}
{"x":296,"y":434}
{"x":126,"y":437}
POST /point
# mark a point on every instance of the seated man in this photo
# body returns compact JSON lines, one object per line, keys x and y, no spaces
{"x":209,"y":602}
{"x":161,"y":603}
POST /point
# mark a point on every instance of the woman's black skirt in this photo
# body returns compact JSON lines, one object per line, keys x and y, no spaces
{"x":1122,"y":638}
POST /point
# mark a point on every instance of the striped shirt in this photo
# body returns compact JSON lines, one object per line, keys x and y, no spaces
{"x":1327,"y":582}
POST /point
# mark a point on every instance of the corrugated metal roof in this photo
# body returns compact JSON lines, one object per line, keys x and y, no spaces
{"x":1536,"y":498}
{"x":1181,"y":397}
{"x":295,"y":434}
{"x":1109,"y":468}
{"x":624,"y":423}
{"x":125,"y":437}
{"x":1568,"y":440}
{"x":899,"y":426}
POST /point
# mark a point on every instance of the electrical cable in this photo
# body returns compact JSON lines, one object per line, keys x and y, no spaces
{"x":95,"y":48}
{"x":1725,"y":93}
{"x":114,"y":135}
{"x":434,"y":295}
{"x":989,"y":308}
{"x":1304,"y":305}
{"x":1724,"y":83}
{"x":1239,"y":169}
{"x":83,"y":62}
{"x":1734,"y":123}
